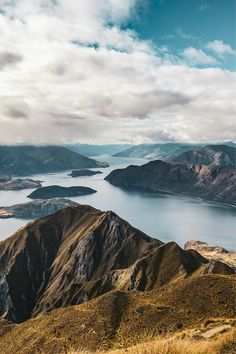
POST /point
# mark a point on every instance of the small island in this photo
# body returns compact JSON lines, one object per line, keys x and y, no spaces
{"x":60,"y":192}
{"x":9,"y":184}
{"x":83,"y":173}
{"x":35,"y":209}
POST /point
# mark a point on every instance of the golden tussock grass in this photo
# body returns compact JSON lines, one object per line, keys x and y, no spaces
{"x":224,"y":344}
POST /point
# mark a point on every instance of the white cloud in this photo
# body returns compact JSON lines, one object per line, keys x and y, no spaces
{"x":198,"y":56}
{"x":220,"y":48}
{"x":204,"y":7}
{"x":70,"y":72}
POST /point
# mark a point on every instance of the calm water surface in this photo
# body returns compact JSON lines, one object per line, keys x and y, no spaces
{"x":163,"y":216}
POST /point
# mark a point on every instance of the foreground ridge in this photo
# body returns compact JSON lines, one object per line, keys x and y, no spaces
{"x":80,"y":253}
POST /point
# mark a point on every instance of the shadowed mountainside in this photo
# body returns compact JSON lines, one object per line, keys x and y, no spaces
{"x":80,"y":253}
{"x":26,"y":160}
{"x":212,"y":183}
{"x":138,"y":287}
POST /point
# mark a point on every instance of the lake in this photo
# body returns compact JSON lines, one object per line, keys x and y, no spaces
{"x":163,"y":216}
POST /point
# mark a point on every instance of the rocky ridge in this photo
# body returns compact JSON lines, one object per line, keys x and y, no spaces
{"x":80,"y":253}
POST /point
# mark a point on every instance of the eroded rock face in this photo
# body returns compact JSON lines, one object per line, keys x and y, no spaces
{"x":80,"y":253}
{"x":209,"y":182}
{"x":213,"y":252}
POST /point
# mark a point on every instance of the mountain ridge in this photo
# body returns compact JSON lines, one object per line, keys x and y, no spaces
{"x":80,"y":253}
{"x":213,"y":183}
{"x":26,"y":160}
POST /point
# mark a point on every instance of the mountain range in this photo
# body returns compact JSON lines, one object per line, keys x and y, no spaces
{"x":167,"y":151}
{"x":218,"y":155}
{"x":86,"y":279}
{"x":214,"y":183}
{"x":26,"y":160}
{"x":96,"y":150}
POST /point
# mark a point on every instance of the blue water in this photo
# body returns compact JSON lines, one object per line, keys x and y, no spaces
{"x":163,"y":216}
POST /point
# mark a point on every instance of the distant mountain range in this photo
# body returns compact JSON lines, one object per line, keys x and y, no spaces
{"x":137,"y":286}
{"x":27,"y":160}
{"x":214,"y":183}
{"x":218,"y":155}
{"x":161,"y":151}
{"x":96,"y":150}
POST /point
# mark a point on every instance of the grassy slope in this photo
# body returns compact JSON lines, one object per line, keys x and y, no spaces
{"x":123,"y":319}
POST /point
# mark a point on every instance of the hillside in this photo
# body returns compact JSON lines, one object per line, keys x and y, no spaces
{"x":80,"y":253}
{"x":96,"y":150}
{"x":212,"y":183}
{"x":155,"y":151}
{"x":218,"y":155}
{"x":138,"y":287}
{"x":27,"y":160}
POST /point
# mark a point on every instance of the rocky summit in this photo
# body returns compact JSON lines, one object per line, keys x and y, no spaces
{"x":214,"y":183}
{"x":80,"y":253}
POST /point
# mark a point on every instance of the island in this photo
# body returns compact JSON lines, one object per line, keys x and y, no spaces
{"x":35,"y":209}
{"x":9,"y":184}
{"x":60,"y":192}
{"x":83,"y":173}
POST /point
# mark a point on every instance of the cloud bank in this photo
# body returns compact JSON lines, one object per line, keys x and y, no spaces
{"x":70,"y":72}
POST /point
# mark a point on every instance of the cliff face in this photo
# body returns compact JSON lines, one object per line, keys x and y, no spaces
{"x":27,"y":160}
{"x":80,"y":253}
{"x":209,"y":182}
{"x":65,"y":259}
{"x":218,"y":155}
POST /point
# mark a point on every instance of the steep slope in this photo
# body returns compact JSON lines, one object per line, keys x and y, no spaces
{"x":80,"y":253}
{"x":218,"y":155}
{"x":26,"y":160}
{"x":119,"y":319}
{"x":211,"y":183}
{"x":65,"y":259}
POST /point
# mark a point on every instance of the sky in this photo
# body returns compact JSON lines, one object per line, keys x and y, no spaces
{"x":117,"y":71}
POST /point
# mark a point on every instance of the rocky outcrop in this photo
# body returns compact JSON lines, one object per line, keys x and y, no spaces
{"x":212,"y":183}
{"x":27,"y":160}
{"x":82,"y":173}
{"x":60,"y":192}
{"x":212,"y":252}
{"x":217,"y":155}
{"x":80,"y":253}
{"x":35,"y":209}
{"x":17,"y":184}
